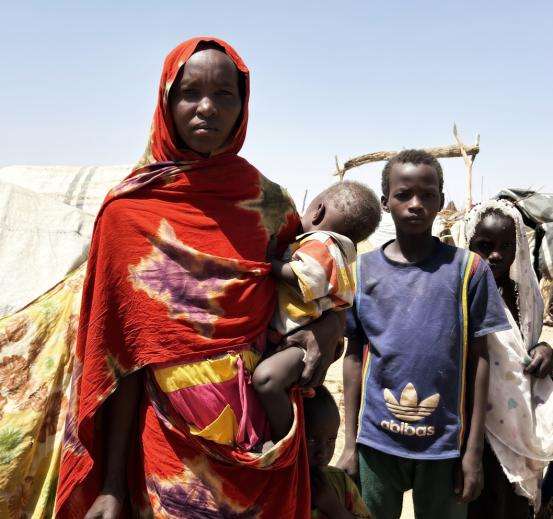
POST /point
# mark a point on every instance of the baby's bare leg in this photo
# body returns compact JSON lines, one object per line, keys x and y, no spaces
{"x":272,"y":379}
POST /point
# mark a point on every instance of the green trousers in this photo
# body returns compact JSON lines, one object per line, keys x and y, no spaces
{"x":384,"y":478}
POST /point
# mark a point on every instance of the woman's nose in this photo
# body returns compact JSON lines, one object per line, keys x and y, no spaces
{"x":206,"y":107}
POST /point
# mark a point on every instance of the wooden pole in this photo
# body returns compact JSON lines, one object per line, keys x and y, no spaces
{"x":304,"y":199}
{"x":378,"y":156}
{"x":458,"y":150}
{"x":469,"y":161}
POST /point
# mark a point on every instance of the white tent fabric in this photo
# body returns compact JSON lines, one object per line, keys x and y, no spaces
{"x":46,"y":219}
{"x":82,"y":187}
{"x":41,"y":241}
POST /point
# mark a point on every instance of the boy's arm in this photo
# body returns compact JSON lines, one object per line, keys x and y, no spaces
{"x":352,"y":373}
{"x":470,"y":480}
{"x":283,"y":272}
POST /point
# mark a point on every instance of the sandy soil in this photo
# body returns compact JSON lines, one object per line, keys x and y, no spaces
{"x":334,"y":384}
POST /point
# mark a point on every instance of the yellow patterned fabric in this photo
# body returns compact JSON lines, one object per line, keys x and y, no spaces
{"x":36,"y":358}
{"x":221,"y":369}
{"x":215,"y":398}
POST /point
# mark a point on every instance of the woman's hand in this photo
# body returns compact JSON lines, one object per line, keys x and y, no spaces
{"x":541,"y":364}
{"x":319,"y":339}
{"x":106,"y":506}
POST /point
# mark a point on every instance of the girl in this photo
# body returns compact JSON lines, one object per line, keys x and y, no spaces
{"x":519,"y":420}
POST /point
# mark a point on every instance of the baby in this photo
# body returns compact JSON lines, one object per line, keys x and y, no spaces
{"x":315,"y":276}
{"x":333,"y":494}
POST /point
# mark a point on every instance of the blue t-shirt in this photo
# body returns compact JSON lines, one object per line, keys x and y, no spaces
{"x":413,"y":318}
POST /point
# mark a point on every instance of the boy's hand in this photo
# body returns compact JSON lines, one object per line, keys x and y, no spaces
{"x":106,"y":506}
{"x":349,"y":462}
{"x":468,"y":478}
{"x":541,"y":364}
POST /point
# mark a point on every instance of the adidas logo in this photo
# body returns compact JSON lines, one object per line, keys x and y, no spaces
{"x":407,"y":430}
{"x":408,"y":408}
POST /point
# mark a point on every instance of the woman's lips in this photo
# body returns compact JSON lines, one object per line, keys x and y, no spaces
{"x":201,"y":129}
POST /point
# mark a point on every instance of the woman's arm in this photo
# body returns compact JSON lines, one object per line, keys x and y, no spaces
{"x":353,"y":374}
{"x":470,"y":480}
{"x":121,"y":412}
{"x":319,"y":339}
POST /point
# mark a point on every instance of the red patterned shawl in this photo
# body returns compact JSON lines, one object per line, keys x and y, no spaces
{"x":177,"y":273}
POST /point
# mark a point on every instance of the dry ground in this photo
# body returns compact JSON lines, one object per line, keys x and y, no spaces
{"x":334,"y":383}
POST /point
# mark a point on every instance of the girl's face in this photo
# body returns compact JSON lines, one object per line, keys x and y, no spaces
{"x":205,"y":101}
{"x":495,"y":241}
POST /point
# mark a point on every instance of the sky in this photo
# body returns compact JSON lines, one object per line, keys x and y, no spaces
{"x":79,"y":81}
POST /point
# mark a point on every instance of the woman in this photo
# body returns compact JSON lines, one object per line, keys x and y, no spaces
{"x":519,"y":421}
{"x":175,"y":307}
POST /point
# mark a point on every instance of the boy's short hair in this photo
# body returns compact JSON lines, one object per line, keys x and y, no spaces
{"x":415,"y":157}
{"x":322,"y":401}
{"x":360,"y":206}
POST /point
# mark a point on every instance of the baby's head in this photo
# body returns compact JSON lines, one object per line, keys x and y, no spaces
{"x":322,"y":420}
{"x":494,"y":240}
{"x":348,"y":208}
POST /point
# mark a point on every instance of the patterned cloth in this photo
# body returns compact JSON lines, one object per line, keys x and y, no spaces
{"x":176,"y":265}
{"x":348,"y":494}
{"x":321,"y":262}
{"x":519,"y":421}
{"x":36,"y":359}
{"x":217,"y":400}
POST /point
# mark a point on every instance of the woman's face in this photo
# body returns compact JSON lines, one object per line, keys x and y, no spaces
{"x":495,"y":241}
{"x":205,"y":101}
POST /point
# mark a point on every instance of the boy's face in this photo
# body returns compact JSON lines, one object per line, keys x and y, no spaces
{"x":205,"y":103}
{"x":321,"y":432}
{"x":495,"y":241}
{"x":414,"y":197}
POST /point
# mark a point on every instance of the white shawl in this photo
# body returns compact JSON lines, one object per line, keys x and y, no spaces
{"x":519,"y":419}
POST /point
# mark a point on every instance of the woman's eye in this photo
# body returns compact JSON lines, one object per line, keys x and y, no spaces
{"x":225,"y":93}
{"x":189,"y":92}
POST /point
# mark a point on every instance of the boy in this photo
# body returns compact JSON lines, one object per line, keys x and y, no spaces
{"x":333,"y":494}
{"x":424,"y":308}
{"x":315,"y":276}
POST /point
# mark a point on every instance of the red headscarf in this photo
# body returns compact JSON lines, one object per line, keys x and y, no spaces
{"x":177,"y":273}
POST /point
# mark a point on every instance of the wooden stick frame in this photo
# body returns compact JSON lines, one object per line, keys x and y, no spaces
{"x":457,"y":150}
